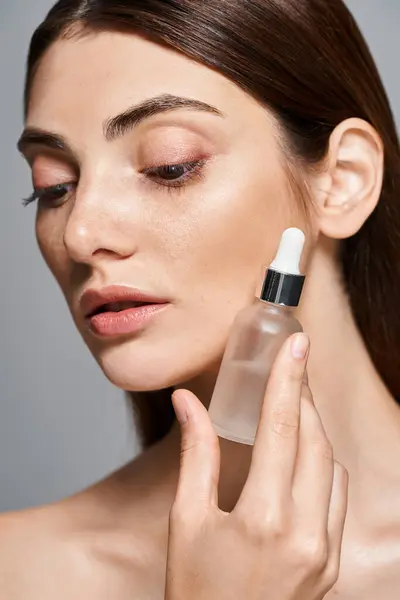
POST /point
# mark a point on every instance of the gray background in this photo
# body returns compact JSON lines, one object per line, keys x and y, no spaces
{"x":62,"y":424}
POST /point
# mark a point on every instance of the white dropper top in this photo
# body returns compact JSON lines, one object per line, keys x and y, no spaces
{"x":289,"y":252}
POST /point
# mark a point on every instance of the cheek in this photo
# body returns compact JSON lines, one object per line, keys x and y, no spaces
{"x":49,"y":236}
{"x":220,"y":249}
{"x":232,"y":232}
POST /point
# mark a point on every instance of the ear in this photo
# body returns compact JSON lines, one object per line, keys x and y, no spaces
{"x":349,"y":188}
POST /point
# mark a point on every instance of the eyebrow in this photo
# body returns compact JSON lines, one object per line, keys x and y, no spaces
{"x":117,"y":127}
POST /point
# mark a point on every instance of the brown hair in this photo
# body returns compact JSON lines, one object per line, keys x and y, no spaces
{"x":307,"y":61}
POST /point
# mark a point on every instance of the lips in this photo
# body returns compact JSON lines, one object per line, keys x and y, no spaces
{"x":116,"y":307}
{"x":116,"y":299}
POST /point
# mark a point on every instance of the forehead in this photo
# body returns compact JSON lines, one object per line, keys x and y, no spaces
{"x":104,"y":73}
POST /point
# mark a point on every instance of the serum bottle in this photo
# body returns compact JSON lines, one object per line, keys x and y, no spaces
{"x":256,"y":337}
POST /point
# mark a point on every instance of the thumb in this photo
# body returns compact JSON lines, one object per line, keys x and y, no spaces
{"x":200,"y":453}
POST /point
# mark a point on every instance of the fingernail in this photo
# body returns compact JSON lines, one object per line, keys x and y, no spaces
{"x":299,"y":345}
{"x":180,"y":408}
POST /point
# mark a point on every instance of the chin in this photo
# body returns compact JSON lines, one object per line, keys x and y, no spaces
{"x":139,"y":367}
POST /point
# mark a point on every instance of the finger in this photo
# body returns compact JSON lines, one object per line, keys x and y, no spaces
{"x":313,"y":480}
{"x":200,"y":454}
{"x":337,"y":511}
{"x":276,"y":443}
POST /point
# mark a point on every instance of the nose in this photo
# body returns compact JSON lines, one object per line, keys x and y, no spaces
{"x":98,"y":228}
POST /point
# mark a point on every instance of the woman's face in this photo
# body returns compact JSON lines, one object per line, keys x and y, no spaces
{"x":195,"y":236}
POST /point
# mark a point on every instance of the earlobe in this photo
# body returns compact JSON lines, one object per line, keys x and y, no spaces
{"x":348,"y":190}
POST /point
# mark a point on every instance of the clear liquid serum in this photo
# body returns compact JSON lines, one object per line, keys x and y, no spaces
{"x":256,"y":337}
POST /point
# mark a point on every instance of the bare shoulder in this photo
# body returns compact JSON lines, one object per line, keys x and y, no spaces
{"x":42,"y":558}
{"x":107,"y":541}
{"x":31,"y":553}
{"x":18,"y":537}
{"x":20,"y":532}
{"x":73,"y":550}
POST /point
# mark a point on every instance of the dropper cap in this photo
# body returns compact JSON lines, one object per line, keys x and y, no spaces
{"x":283,"y":282}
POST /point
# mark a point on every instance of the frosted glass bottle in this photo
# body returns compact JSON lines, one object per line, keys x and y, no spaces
{"x":257,"y":335}
{"x":255,"y":339}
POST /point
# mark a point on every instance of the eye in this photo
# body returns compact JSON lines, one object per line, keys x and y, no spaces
{"x":52,"y":196}
{"x":175,"y":175}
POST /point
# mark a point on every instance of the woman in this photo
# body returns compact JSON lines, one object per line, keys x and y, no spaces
{"x":171,"y":143}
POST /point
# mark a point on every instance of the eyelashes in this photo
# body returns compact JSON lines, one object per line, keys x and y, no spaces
{"x":173,"y":177}
{"x":52,"y":194}
{"x":170,"y":176}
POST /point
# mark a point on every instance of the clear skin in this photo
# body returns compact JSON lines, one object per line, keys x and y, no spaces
{"x":120,"y":227}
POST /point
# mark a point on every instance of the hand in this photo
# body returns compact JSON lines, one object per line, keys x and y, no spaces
{"x":282,"y":540}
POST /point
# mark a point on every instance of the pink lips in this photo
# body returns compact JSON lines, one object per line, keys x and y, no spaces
{"x":119,"y":310}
